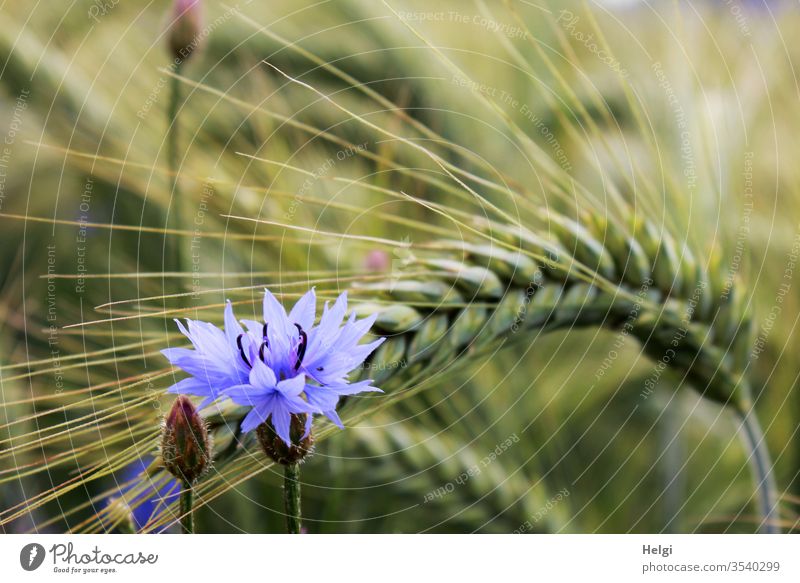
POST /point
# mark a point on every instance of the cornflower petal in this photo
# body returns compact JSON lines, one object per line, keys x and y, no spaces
{"x":261,"y":376}
{"x":282,"y":420}
{"x":247,"y":395}
{"x":292,"y":387}
{"x":274,"y":314}
{"x":258,"y":415}
{"x":305,"y":310}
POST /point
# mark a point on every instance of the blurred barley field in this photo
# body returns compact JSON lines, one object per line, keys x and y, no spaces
{"x":337,"y":144}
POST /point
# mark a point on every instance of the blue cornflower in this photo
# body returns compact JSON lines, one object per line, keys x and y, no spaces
{"x":216,"y":363}
{"x":280,"y":367}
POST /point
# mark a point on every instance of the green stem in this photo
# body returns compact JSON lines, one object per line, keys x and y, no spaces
{"x":187,"y":513}
{"x":291,"y":497}
{"x":761,"y":467}
{"x":173,"y":156}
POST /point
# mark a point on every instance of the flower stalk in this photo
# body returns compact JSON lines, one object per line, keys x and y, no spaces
{"x":290,"y":456}
{"x":173,"y":127}
{"x":182,"y":41}
{"x":187,"y":510}
{"x":291,"y":497}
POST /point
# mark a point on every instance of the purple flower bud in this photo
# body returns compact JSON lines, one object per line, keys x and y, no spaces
{"x":185,"y":25}
{"x":378,"y":261}
{"x":185,"y":446}
{"x":277,"y":449}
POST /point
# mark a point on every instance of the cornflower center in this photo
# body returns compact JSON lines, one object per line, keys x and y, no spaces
{"x":301,"y":347}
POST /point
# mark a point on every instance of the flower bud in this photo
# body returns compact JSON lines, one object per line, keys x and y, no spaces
{"x":378,"y":261}
{"x":185,"y":445}
{"x":276,"y":448}
{"x":185,"y":24}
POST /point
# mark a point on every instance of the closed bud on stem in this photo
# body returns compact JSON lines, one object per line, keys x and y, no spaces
{"x":276,"y":449}
{"x":185,"y":444}
{"x":185,"y":25}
